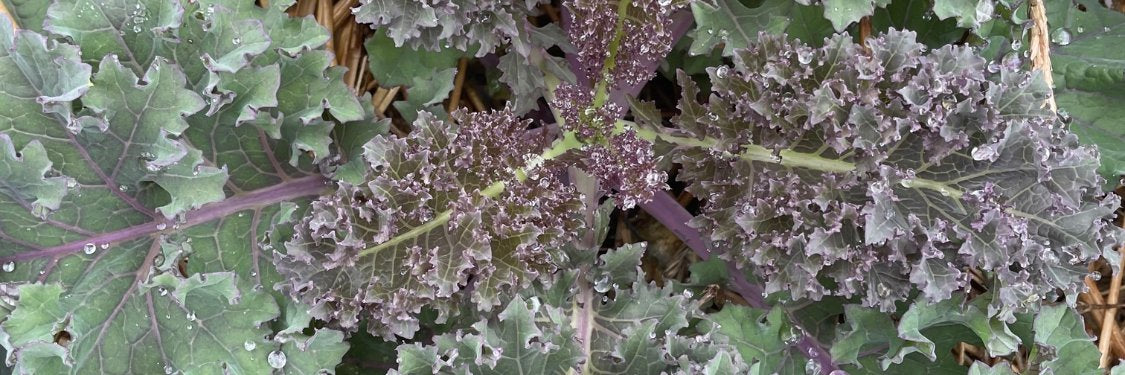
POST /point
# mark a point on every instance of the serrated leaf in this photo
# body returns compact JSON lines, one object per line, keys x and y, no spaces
{"x":1060,"y":328}
{"x":843,"y":13}
{"x":980,"y":368}
{"x":394,"y":66}
{"x":760,"y":336}
{"x":635,"y":332}
{"x":968,"y":13}
{"x":426,"y":94}
{"x":160,"y":255}
{"x":916,"y":15}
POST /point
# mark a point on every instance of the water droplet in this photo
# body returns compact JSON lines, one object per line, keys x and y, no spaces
{"x":276,"y":359}
{"x":1061,"y":36}
{"x":89,"y":248}
{"x":161,"y":226}
{"x":601,"y":285}
{"x":721,"y":72}
{"x":163,"y":292}
{"x":236,"y":41}
{"x":249,"y":345}
{"x":1080,"y":29}
{"x":136,"y":28}
{"x":687,"y":293}
{"x":123,"y":188}
{"x":804,"y":57}
{"x":1011,"y":61}
{"x":812,"y":368}
{"x":191,"y":315}
{"x":71,"y":183}
{"x":168,"y":369}
{"x":9,"y":267}
{"x":1016,"y":44}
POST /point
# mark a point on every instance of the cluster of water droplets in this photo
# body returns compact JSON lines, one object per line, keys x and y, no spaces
{"x":138,"y":17}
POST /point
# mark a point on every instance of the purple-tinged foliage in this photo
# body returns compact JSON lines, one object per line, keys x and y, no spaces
{"x":621,"y":161}
{"x":618,"y":40}
{"x":888,"y":171}
{"x":434,"y":24}
{"x":428,"y":223}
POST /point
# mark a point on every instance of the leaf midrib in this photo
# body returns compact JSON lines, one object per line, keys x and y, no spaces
{"x":306,"y":186}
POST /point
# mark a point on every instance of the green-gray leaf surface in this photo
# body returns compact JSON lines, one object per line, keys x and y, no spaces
{"x":1089,"y":72}
{"x":146,"y":180}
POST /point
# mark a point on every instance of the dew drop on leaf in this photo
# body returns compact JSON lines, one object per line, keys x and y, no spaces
{"x":249,"y":345}
{"x":601,"y":285}
{"x":9,"y":267}
{"x":163,"y":291}
{"x":161,"y":226}
{"x":89,"y":248}
{"x":276,"y":359}
{"x":169,"y":369}
{"x":812,"y":368}
{"x":1061,"y":36}
{"x":191,"y":315}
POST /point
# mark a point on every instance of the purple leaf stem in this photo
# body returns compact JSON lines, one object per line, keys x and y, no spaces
{"x":285,"y":191}
{"x":675,"y":217}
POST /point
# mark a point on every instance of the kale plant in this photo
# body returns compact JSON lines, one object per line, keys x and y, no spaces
{"x":223,"y":186}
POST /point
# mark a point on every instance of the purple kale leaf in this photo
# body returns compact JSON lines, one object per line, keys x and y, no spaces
{"x":838,"y":171}
{"x":443,"y":218}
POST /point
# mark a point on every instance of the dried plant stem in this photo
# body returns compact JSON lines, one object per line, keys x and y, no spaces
{"x":864,"y":30}
{"x":1109,"y":320}
{"x":475,"y":99}
{"x":342,"y":9}
{"x":1040,"y":45}
{"x":1093,"y":297}
{"x":458,"y":85}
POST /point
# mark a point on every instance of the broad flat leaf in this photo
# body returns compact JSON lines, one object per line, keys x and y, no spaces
{"x":735,"y":24}
{"x":968,"y":13}
{"x":27,"y":14}
{"x":980,"y":368}
{"x":1089,"y":72}
{"x":426,"y":94}
{"x":843,"y":13}
{"x":916,"y":15}
{"x":761,"y":337}
{"x":394,"y":66}
{"x":142,"y":206}
{"x":1061,"y":329}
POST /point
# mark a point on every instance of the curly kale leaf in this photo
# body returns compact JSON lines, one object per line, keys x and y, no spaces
{"x":148,"y":172}
{"x":440,"y":218}
{"x":889,"y":171}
